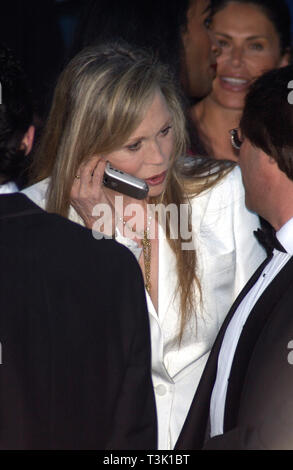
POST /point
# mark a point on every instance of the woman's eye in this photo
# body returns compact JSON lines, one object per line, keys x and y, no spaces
{"x":223,"y":43}
{"x":208,"y":22}
{"x":134,"y":147}
{"x":166,"y":130}
{"x":256,"y":46}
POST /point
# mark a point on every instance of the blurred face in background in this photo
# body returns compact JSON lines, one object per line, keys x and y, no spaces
{"x":200,"y":50}
{"x":250,"y":46}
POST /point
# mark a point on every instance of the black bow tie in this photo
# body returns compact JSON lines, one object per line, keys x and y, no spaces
{"x":267,"y":238}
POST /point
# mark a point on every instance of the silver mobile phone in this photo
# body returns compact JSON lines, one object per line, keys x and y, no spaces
{"x":125,"y":183}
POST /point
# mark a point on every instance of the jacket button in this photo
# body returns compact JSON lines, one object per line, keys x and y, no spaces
{"x":161,"y":390}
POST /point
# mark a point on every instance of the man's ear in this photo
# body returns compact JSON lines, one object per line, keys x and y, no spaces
{"x":28,"y":140}
{"x":285,"y":59}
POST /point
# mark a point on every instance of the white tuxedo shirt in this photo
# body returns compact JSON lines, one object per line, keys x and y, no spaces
{"x":227,"y":256}
{"x":234,"y":329}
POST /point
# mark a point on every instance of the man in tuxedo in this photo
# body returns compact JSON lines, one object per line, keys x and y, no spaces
{"x":74,"y":337}
{"x":244,"y":399}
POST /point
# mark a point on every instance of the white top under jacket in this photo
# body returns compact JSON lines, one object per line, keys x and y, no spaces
{"x":227,"y":255}
{"x":8,"y":188}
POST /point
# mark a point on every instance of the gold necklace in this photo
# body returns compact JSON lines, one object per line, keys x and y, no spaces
{"x":147,"y":256}
{"x":146,"y":249}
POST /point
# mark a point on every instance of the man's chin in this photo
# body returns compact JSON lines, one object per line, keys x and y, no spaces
{"x":248,"y":204}
{"x":203,"y":89}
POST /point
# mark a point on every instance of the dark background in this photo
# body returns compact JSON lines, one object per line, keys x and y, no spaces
{"x":41,"y":33}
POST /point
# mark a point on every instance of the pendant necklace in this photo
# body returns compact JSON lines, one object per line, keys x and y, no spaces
{"x":146,"y":249}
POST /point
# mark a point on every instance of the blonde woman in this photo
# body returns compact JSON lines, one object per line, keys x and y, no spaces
{"x":116,"y":104}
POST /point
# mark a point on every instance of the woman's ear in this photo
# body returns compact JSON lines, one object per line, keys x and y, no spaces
{"x":28,"y":140}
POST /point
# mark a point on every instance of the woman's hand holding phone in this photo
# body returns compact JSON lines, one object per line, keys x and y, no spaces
{"x":93,"y":185}
{"x":88,"y":190}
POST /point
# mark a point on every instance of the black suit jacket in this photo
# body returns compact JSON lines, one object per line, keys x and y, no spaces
{"x":75,"y":345}
{"x":259,"y":402}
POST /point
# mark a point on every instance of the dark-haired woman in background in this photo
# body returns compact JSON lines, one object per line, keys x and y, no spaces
{"x":255,"y":37}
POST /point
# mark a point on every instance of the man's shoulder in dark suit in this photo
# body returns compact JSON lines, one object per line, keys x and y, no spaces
{"x":75,"y":334}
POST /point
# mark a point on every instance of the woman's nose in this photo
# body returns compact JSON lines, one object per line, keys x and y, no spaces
{"x":237,"y":55}
{"x":156,"y":155}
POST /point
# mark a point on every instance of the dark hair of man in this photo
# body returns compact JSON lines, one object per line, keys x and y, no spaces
{"x":277,"y":11}
{"x":155,"y":25}
{"x":267,"y":120}
{"x":16,"y":115}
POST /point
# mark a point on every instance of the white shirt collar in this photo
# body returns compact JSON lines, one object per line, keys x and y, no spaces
{"x":285,"y":236}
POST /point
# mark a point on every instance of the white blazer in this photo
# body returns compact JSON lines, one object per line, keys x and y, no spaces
{"x":227,"y":255}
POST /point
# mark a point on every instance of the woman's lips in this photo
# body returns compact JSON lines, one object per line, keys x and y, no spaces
{"x":234,"y":83}
{"x":157,"y":179}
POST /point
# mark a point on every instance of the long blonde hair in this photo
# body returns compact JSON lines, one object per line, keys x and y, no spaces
{"x":100,"y":99}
